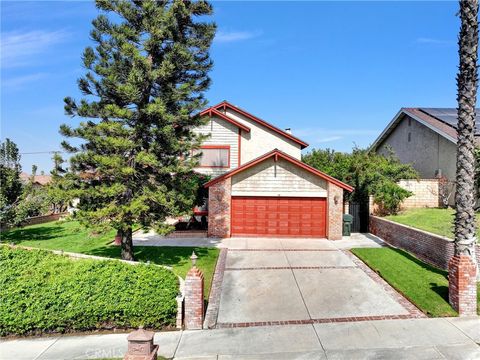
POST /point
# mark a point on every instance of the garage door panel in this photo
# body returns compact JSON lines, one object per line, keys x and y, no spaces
{"x":269,"y":216}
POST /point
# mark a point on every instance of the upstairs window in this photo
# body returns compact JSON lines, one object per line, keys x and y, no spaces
{"x":214,"y":156}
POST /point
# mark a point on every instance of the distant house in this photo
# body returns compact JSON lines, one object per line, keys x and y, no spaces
{"x":426,"y":138}
{"x":38,"y":180}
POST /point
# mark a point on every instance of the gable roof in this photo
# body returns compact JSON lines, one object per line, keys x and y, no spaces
{"x":280,"y":154}
{"x":424,"y":117}
{"x":38,"y":179}
{"x":212,"y":111}
{"x":226,"y":105}
{"x":449,"y":116}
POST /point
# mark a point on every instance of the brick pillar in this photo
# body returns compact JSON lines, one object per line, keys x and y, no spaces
{"x":462,"y":286}
{"x":219,"y":199}
{"x":194,"y":302}
{"x":335,"y":212}
{"x":140,"y":346}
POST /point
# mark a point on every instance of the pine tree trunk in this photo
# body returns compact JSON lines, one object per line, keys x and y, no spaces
{"x":467,"y":95}
{"x":127,"y":245}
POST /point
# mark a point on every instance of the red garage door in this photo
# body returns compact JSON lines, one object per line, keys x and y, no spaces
{"x":279,"y":216}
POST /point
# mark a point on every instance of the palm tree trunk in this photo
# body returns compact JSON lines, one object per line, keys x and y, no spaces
{"x":465,"y":238}
{"x":462,"y":267}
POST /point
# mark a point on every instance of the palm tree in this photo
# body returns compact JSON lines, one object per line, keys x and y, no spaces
{"x":465,"y":237}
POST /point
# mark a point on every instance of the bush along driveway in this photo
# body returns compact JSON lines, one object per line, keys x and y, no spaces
{"x":43,"y":293}
{"x":424,"y":285}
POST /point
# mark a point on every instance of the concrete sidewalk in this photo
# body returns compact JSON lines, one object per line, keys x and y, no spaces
{"x":441,"y":338}
{"x":150,"y":238}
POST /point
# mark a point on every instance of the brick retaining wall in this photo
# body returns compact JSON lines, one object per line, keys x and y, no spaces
{"x":433,"y":249}
{"x":43,"y":219}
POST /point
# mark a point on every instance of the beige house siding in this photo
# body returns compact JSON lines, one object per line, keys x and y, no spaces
{"x":261,"y":140}
{"x":220,"y":132}
{"x":427,"y":151}
{"x":281,"y":178}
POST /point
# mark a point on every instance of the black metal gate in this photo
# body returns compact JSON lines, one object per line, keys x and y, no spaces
{"x":360,"y":214}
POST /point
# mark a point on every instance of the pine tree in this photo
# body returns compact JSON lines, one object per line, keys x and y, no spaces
{"x":143,"y":87}
{"x":58,"y":189}
{"x":10,"y":184}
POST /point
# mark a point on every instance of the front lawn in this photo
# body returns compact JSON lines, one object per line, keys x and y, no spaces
{"x":424,"y":285}
{"x":72,"y":237}
{"x":43,"y":292}
{"x":436,"y":221}
{"x":58,"y":235}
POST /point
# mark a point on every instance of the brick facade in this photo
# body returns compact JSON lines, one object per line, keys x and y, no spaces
{"x":194,"y":301}
{"x":433,"y":249}
{"x":335,"y":212}
{"x":462,"y":285}
{"x":219,"y":208}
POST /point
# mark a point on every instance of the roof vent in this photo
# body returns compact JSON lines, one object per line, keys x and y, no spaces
{"x":288,"y":130}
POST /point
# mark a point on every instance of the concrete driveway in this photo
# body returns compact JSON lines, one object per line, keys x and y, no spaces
{"x":297,"y":281}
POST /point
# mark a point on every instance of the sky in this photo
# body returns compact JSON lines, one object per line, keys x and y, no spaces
{"x":334,"y":72}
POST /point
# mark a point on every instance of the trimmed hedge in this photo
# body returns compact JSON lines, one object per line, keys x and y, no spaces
{"x":41,"y":292}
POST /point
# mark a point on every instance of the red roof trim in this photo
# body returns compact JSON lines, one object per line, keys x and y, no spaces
{"x":226,"y":104}
{"x":211,"y":112}
{"x":279,"y":154}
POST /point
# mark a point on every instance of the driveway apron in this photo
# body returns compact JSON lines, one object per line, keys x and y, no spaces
{"x":298,"y":281}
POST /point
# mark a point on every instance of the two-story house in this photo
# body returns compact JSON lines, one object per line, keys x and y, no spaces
{"x":260,"y":186}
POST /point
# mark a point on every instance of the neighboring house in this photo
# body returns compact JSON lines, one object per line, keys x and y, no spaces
{"x":38,"y":180}
{"x":425,"y":138}
{"x":260,"y":186}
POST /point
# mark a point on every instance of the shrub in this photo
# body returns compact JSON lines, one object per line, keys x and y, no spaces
{"x":389,"y":196}
{"x":42,"y":292}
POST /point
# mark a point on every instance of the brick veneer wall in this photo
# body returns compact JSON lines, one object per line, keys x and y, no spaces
{"x":219,"y":204}
{"x":433,"y":249}
{"x":335,"y":212}
{"x":194,"y":302}
{"x":43,"y":219}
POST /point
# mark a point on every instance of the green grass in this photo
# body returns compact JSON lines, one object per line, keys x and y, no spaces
{"x":43,"y":292}
{"x":436,"y":221}
{"x":59,"y":235}
{"x":424,"y":285}
{"x":72,"y":237}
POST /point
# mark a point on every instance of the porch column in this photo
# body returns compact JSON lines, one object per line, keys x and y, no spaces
{"x":335,"y":212}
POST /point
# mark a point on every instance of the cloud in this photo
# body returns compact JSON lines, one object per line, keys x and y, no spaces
{"x":432,"y":41}
{"x":233,"y":36}
{"x":328,"y":139}
{"x":18,"y":82}
{"x":316,"y":136}
{"x":19,"y":48}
